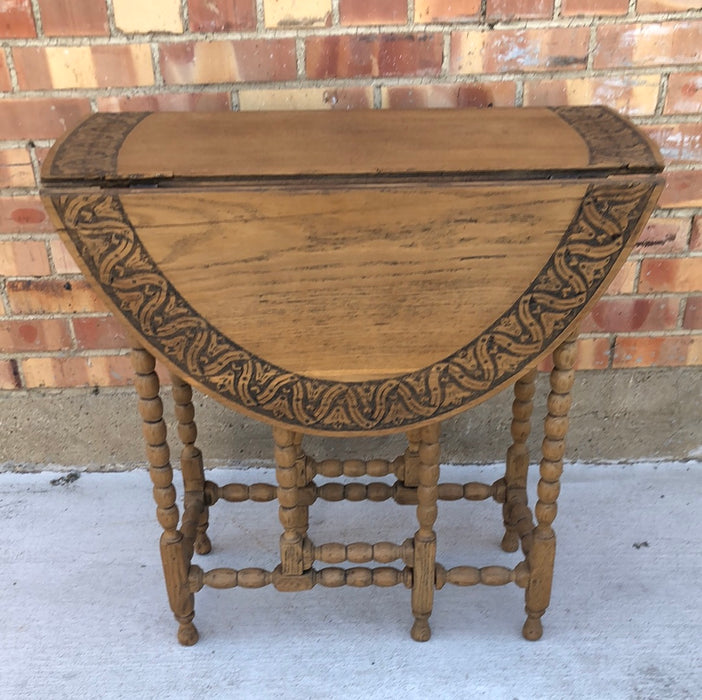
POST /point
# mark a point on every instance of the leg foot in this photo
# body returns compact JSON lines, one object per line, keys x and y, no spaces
{"x":510,"y":542}
{"x":421,"y":632}
{"x":187,"y":634}
{"x":202,"y":544}
{"x":533,"y":629}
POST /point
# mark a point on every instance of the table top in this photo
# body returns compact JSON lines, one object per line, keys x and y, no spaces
{"x":498,"y":142}
{"x":354,"y":272}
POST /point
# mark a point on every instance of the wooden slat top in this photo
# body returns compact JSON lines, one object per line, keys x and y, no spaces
{"x":471,"y":143}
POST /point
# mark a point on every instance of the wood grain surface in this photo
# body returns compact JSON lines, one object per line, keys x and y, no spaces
{"x":514,"y":142}
{"x":358,"y":284}
{"x":592,"y":248}
{"x":350,"y":143}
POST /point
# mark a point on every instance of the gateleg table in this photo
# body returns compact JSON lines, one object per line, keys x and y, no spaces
{"x":347,"y":274}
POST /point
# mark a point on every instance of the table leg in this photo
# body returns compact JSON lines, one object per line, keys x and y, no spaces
{"x":543,"y":549}
{"x":411,"y":472}
{"x":290,"y":472}
{"x":424,"y":568}
{"x":517,"y":462}
{"x":173,"y":556}
{"x":191,"y":457}
{"x":303,"y":480}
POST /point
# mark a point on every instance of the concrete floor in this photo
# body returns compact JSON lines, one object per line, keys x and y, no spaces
{"x":85,"y":615}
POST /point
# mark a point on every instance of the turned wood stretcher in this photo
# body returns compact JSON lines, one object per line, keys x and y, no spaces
{"x":349,"y":274}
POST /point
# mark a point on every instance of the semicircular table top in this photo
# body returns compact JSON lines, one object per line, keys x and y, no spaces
{"x":342,"y":272}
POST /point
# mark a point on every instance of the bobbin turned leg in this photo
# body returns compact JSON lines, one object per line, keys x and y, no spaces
{"x":411,"y":473}
{"x":517,"y":462}
{"x":543,"y":549}
{"x":303,"y":479}
{"x":424,"y":569}
{"x":191,"y":458}
{"x":290,"y":474}
{"x":173,"y":554}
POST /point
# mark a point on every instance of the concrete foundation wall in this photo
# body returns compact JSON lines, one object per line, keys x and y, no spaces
{"x":620,"y":416}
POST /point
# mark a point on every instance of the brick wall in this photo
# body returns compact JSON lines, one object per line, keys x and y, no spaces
{"x":62,"y":59}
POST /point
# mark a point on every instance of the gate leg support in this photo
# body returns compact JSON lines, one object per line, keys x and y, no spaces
{"x":517,"y":462}
{"x":543,"y":549}
{"x":173,"y":551}
{"x":290,"y":462}
{"x":191,"y":457}
{"x":424,"y":570}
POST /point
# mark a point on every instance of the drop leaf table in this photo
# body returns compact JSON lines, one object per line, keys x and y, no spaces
{"x":345,"y":274}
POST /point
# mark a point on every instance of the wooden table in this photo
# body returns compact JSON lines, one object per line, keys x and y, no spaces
{"x":349,"y":274}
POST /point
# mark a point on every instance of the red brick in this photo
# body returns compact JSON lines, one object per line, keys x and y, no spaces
{"x":50,"y":296}
{"x":9,"y":375}
{"x":16,"y":19}
{"x":41,"y":152}
{"x":360,"y":12}
{"x":65,"y":68}
{"x":99,"y":333}
{"x":594,"y":7}
{"x":664,"y":236}
{"x":60,"y":372}
{"x":171,"y":102}
{"x":631,"y":314}
{"x":625,"y":280}
{"x":63,"y":261}
{"x":518,"y":9}
{"x":592,"y":353}
{"x":43,"y":118}
{"x":499,"y":51}
{"x":258,"y":99}
{"x":74,"y":17}
{"x":693,"y":313}
{"x":668,"y":351}
{"x":684,"y":93}
{"x":545,"y":364}
{"x":16,"y":168}
{"x":679,"y":143}
{"x":671,"y":275}
{"x":645,"y":6}
{"x":297,"y":13}
{"x":696,"y":235}
{"x":244,"y":60}
{"x":23,"y":259}
{"x":633,"y":94}
{"x":164,"y":375}
{"x":139,"y":17}
{"x":493,"y":94}
{"x":23,"y":214}
{"x":221,"y":15}
{"x":5,"y":84}
{"x":683,"y":188}
{"x":382,"y":55}
{"x":32,"y":335}
{"x":653,"y":44}
{"x":426,"y":11}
